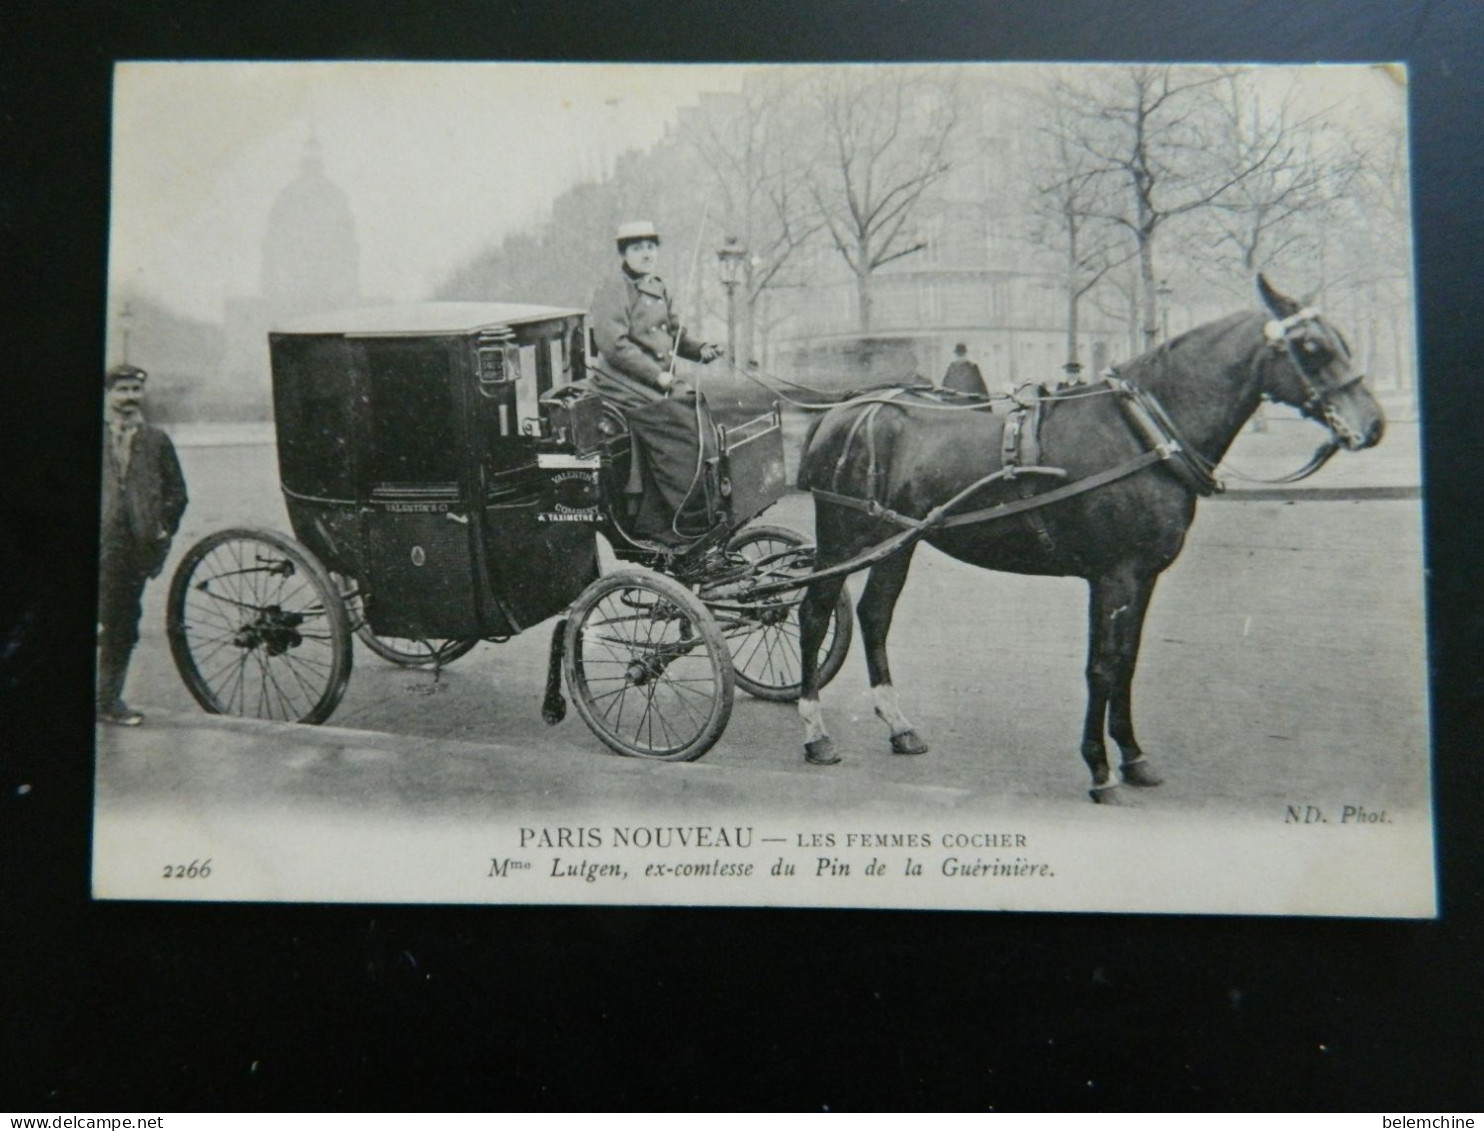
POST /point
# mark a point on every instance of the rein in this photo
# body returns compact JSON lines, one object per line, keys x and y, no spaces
{"x":888,"y":395}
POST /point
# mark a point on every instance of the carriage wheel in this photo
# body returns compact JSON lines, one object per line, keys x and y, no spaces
{"x":257,"y":628}
{"x":404,"y":651}
{"x":764,"y":636}
{"x":647,"y":667}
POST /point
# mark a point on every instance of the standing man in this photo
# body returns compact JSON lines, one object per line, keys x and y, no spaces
{"x":144,"y":496}
{"x":963,"y":375}
{"x":638,"y":335}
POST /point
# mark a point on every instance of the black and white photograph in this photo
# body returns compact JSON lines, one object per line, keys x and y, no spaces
{"x":917,"y":486}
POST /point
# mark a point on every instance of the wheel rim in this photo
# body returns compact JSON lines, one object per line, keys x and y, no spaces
{"x":649,"y":677}
{"x":764,"y":636}
{"x":257,"y":631}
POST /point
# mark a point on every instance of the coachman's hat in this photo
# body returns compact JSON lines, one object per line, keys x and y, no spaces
{"x":635,"y":230}
{"x":123,"y":372}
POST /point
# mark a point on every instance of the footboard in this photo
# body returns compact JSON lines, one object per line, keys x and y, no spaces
{"x":752,"y":465}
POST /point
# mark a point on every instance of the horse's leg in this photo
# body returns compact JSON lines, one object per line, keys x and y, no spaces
{"x":814,"y":619}
{"x":874,"y":611}
{"x":1115,"y":616}
{"x":1136,"y":769}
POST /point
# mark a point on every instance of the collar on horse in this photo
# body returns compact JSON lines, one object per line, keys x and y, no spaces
{"x":1149,"y":420}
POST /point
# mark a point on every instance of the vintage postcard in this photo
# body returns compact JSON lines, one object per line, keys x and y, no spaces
{"x":976,"y":486}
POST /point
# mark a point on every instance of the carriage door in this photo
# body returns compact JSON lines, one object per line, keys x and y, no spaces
{"x":421,"y":566}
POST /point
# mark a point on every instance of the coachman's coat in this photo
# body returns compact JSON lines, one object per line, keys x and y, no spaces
{"x":637,"y":330}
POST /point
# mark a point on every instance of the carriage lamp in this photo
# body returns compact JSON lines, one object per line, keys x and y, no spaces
{"x":497,"y":362}
{"x":729,"y":258}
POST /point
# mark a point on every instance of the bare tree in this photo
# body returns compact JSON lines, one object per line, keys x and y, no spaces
{"x":1366,"y":269}
{"x":750,"y":141}
{"x":884,"y":140}
{"x":1297,"y":170}
{"x":1152,"y":131}
{"x":1071,"y":210}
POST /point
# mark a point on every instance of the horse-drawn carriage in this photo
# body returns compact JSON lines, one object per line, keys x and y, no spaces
{"x":446,"y":473}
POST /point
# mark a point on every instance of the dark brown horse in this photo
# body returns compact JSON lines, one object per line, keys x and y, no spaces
{"x":1120,"y":536}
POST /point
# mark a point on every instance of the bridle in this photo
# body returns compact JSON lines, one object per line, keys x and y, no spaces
{"x":1283,"y":336}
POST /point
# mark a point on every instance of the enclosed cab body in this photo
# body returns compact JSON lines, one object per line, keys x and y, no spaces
{"x":407,"y":448}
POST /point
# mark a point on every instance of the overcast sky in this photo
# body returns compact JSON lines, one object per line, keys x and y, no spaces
{"x":437,"y":160}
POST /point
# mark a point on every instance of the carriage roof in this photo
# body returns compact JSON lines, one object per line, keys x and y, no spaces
{"x":424,"y":318}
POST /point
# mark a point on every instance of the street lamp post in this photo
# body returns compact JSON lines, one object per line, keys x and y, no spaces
{"x":729,"y":259}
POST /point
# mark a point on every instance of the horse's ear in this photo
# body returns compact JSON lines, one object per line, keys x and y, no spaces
{"x":1280,"y":304}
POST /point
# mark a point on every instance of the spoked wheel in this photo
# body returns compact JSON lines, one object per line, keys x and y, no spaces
{"x":647,"y":668}
{"x":257,"y":628}
{"x":404,"y":651}
{"x":763,"y":634}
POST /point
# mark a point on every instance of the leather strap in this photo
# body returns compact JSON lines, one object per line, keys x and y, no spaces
{"x":1056,"y":494}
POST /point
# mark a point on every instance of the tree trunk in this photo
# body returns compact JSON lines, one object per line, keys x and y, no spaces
{"x":1074,"y":300}
{"x":1147,"y":287}
{"x":863,"y":300}
{"x":1073,"y":295}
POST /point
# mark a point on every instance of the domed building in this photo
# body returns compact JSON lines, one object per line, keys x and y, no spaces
{"x":311,"y":263}
{"x":311,"y":260}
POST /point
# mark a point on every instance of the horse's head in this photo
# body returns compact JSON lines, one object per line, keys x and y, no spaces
{"x":1316,"y":374}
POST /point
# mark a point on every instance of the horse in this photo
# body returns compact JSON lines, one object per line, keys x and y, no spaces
{"x":1136,"y":451}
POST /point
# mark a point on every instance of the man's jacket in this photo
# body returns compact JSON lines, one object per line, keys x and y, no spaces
{"x":142,"y":506}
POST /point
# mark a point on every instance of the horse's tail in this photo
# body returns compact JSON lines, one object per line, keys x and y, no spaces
{"x":803,"y":478}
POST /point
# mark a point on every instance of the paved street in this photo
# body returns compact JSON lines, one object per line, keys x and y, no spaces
{"x":1282,"y":659}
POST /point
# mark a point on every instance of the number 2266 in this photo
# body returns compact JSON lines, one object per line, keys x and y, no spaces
{"x":195,"y":870}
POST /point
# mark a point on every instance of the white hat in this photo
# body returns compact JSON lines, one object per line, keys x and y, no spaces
{"x":634,"y":230}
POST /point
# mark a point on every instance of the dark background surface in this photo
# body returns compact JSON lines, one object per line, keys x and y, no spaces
{"x":143,"y":1007}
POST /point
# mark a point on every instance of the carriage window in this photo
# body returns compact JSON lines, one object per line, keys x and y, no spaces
{"x":312,"y":406}
{"x":413,"y":438}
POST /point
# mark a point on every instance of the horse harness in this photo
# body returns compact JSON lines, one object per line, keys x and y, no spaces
{"x":1145,"y":415}
{"x":1020,"y":454}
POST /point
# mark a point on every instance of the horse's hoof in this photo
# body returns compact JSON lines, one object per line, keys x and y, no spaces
{"x":821,"y":752}
{"x":1140,"y":773}
{"x":1105,"y":795}
{"x":908,"y":742}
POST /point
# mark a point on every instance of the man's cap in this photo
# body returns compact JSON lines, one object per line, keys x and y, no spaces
{"x":960,"y":348}
{"x":123,"y":372}
{"x":633,"y":230}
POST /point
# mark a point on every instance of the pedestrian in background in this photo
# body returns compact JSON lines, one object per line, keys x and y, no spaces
{"x":963,"y":375}
{"x":144,"y":496}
